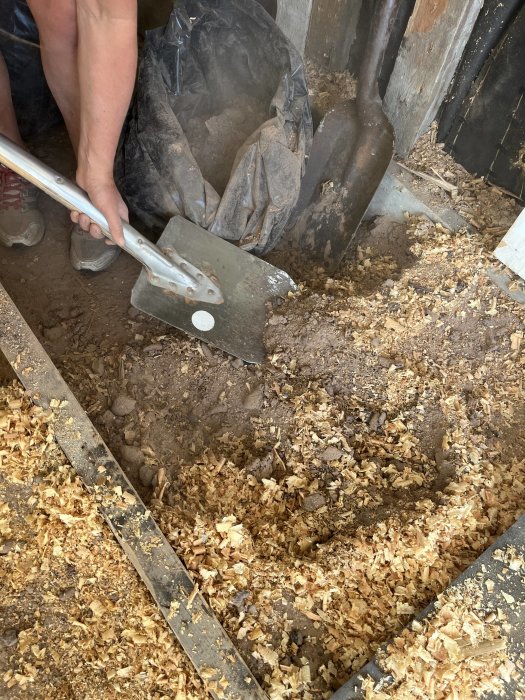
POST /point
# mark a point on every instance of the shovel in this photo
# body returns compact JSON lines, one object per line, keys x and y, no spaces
{"x":191,"y":279}
{"x":351,"y":151}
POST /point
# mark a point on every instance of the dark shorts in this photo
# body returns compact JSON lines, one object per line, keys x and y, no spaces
{"x":16,"y":18}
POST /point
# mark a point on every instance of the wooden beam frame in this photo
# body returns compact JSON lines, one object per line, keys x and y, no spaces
{"x":432,"y":47}
{"x":322,"y":30}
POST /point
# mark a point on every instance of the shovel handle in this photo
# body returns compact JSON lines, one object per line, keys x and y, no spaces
{"x":169,"y":271}
{"x":383,"y":19}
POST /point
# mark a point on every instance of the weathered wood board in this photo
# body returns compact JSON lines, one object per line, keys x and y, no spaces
{"x":332,"y":32}
{"x":511,"y":250}
{"x":434,"y":40}
{"x":323,"y":30}
{"x":293,"y":17}
{"x":506,"y":581}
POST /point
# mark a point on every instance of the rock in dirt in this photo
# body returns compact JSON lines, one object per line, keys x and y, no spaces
{"x":107,"y":418}
{"x":132,"y":455}
{"x":7,"y":546}
{"x":54,"y":333}
{"x":239,"y":599}
{"x":123,"y":405}
{"x":98,"y":366}
{"x":313,"y":502}
{"x":254,"y":400}
{"x":296,"y":637}
{"x":261,"y":467}
{"x":9,"y":638}
{"x":147,"y":474}
{"x":133,"y":312}
{"x":67,"y":593}
{"x":277,"y":320}
{"x":376,"y":421}
{"x":153,"y":349}
{"x":331,"y":454}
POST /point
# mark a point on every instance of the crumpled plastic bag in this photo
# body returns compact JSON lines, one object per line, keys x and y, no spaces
{"x":220,"y":125}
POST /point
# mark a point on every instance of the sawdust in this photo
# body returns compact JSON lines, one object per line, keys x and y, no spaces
{"x":378,"y":456}
{"x":326,"y":89}
{"x":75,"y":621}
{"x":382,"y":456}
{"x":457,"y":652}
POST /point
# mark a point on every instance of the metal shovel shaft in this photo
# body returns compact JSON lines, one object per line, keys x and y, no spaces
{"x":165,"y":269}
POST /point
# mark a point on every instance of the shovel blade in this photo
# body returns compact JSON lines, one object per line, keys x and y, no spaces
{"x":350,"y":155}
{"x":247,"y":284}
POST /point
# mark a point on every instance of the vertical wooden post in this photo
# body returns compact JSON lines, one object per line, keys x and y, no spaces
{"x":332,"y":32}
{"x":432,"y":47}
{"x":323,"y":30}
{"x":293,"y":17}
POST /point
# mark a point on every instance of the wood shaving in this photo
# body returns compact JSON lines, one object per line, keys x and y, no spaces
{"x":454,"y":653}
{"x":75,"y":620}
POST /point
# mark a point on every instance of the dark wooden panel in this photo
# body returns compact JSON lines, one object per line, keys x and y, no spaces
{"x":331,"y":32}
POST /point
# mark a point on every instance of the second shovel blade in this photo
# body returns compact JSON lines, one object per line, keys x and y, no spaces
{"x":247,"y":284}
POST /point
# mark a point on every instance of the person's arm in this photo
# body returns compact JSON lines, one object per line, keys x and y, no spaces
{"x":107,"y":61}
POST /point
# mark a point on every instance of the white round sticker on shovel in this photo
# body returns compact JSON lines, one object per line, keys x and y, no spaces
{"x":203,"y":320}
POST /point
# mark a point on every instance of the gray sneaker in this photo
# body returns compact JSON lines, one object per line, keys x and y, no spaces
{"x":21,"y":222}
{"x":88,"y":253}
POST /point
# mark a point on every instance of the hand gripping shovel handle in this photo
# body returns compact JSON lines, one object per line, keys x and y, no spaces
{"x":165,"y":269}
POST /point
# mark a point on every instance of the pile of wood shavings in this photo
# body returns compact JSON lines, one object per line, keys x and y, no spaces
{"x":326,"y":89}
{"x":75,"y":620}
{"x":487,"y":208}
{"x":381,"y":455}
{"x":439,"y":343}
{"x":458,"y":652}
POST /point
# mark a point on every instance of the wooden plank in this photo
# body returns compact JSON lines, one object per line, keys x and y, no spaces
{"x":432,"y":47}
{"x":188,"y":615}
{"x":322,"y":30}
{"x":511,"y":250}
{"x":293,"y":17}
{"x":332,"y":32}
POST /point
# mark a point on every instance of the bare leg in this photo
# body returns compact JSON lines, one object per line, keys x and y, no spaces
{"x":57,"y":27}
{"x":57,"y":24}
{"x":20,"y":221}
{"x":8,"y":125}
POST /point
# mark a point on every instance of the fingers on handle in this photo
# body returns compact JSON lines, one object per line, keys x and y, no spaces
{"x":84,"y":222}
{"x":96,"y":231}
{"x":115,"y":226}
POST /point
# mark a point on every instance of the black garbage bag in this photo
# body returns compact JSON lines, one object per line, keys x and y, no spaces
{"x":34,"y":105}
{"x":220,"y":124}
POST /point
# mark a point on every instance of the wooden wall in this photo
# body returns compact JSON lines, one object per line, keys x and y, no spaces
{"x":435,"y":38}
{"x":323,"y":30}
{"x":430,"y":51}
